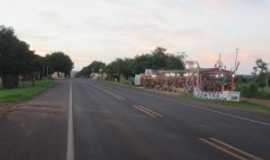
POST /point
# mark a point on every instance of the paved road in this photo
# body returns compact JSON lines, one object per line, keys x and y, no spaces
{"x":116,"y":122}
{"x":97,"y":120}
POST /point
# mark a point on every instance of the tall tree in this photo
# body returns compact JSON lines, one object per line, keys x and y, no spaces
{"x":115,"y":69}
{"x":128,"y":67}
{"x":60,"y":62}
{"x":143,"y":62}
{"x":174,"y":62}
{"x":261,"y":72}
{"x":94,"y":67}
{"x":159,"y":59}
{"x":15,"y":57}
{"x":97,"y":66}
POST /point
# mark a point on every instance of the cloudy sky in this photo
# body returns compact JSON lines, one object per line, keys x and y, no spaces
{"x":90,"y":30}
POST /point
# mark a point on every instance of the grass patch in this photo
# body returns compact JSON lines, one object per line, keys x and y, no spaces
{"x":25,"y":91}
{"x":252,"y":106}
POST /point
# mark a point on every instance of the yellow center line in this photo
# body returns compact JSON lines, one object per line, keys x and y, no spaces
{"x":236,"y":149}
{"x":228,"y":149}
{"x":222,"y":149}
{"x":154,"y":112}
{"x":145,"y":112}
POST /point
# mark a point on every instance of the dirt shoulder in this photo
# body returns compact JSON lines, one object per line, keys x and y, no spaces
{"x":35,"y":129}
{"x":264,"y":102}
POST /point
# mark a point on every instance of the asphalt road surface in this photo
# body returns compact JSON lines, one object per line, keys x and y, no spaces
{"x":116,"y":122}
{"x":104,"y":121}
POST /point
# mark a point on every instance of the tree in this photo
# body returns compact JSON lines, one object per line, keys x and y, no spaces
{"x":143,"y":62}
{"x":97,"y":66}
{"x":159,"y":59}
{"x":15,"y":57}
{"x":59,"y":62}
{"x":174,"y":62}
{"x":94,"y":67}
{"x":38,"y":67}
{"x":261,"y":72}
{"x":84,"y":72}
{"x":115,"y":69}
{"x":261,"y":67}
{"x":128,"y":67}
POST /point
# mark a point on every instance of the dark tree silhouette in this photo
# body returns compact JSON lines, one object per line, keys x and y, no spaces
{"x":15,"y":57}
{"x":60,"y":62}
{"x":94,"y":67}
{"x":158,"y":59}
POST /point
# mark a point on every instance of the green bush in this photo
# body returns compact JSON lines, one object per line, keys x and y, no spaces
{"x":264,"y":94}
{"x":251,"y":90}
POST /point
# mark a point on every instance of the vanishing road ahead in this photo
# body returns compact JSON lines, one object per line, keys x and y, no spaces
{"x":104,"y":121}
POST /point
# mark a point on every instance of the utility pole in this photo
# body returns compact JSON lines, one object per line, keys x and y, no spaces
{"x":236,"y":57}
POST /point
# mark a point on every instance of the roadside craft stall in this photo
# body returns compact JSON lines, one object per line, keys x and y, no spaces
{"x":207,"y":83}
{"x":167,"y":80}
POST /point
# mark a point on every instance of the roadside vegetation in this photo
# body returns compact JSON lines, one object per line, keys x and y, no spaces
{"x":25,"y":91}
{"x":125,"y":69}
{"x":18,"y":62}
{"x":23,"y":73}
{"x":257,"y":84}
{"x":252,"y":90}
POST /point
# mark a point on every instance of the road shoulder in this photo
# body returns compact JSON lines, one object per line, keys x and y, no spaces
{"x":36,"y":129}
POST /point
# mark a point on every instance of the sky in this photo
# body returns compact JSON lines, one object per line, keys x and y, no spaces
{"x":104,"y":30}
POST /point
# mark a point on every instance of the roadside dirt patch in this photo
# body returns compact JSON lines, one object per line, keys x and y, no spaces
{"x":41,"y":109}
{"x":264,"y":102}
{"x":6,"y":109}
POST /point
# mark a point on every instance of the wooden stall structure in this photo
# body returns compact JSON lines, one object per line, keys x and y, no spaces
{"x":215,"y":79}
{"x":166,"y":80}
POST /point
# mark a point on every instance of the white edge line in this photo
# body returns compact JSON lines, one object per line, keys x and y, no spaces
{"x":70,"y":131}
{"x":235,"y":116}
{"x":222,"y":113}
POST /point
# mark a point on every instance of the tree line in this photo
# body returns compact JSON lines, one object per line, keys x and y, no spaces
{"x":128,"y":67}
{"x":257,"y":84}
{"x":17,"y":61}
